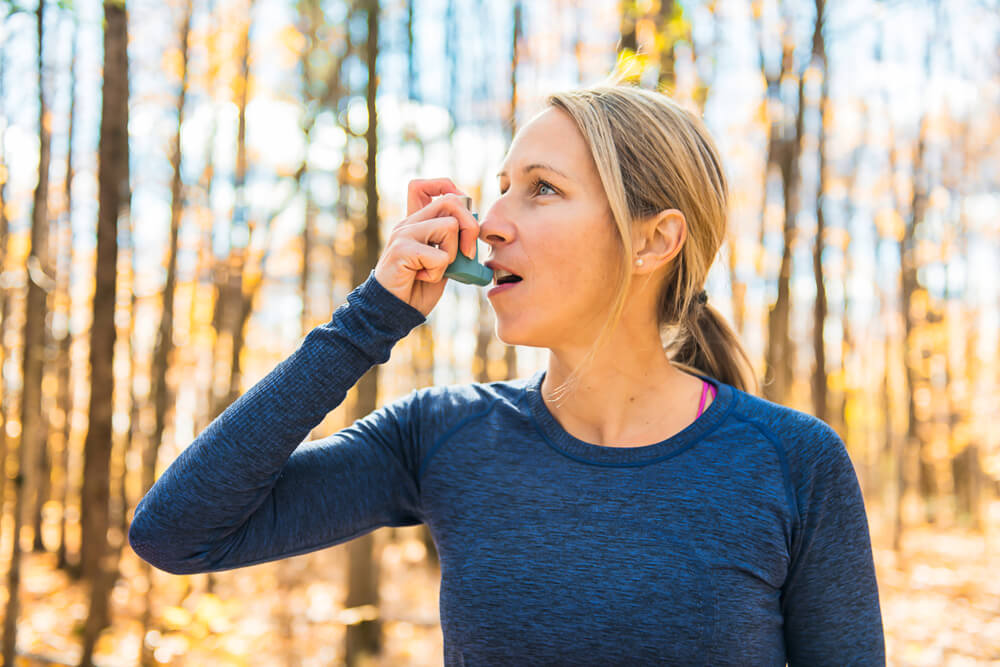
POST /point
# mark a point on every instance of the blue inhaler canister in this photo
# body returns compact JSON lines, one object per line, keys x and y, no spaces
{"x":469,"y":271}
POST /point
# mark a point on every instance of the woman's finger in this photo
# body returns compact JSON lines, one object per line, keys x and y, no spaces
{"x":427,"y":263}
{"x":448,"y":206}
{"x":440,"y":232}
{"x":421,"y":191}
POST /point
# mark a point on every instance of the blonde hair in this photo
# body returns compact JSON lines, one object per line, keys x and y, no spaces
{"x":653,"y":155}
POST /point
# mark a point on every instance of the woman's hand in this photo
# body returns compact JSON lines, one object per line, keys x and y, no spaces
{"x":421,"y":247}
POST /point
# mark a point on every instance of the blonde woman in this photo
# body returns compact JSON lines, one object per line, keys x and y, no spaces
{"x":634,"y":503}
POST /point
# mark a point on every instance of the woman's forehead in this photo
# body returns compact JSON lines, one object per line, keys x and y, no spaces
{"x":550,"y":139}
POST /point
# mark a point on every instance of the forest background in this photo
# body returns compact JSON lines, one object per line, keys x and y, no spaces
{"x":188,"y":187}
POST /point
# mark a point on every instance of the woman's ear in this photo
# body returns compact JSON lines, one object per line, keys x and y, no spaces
{"x":660,"y":237}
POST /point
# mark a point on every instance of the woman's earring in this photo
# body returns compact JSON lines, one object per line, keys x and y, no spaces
{"x":638,"y":262}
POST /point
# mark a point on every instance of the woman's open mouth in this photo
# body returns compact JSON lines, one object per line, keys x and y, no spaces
{"x":506,"y":284}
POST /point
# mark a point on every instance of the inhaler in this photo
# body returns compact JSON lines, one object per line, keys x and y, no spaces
{"x":466,"y":270}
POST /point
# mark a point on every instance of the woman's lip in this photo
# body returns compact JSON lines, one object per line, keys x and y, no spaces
{"x":502,"y":288}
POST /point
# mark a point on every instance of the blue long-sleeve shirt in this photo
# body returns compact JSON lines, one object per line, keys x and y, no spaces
{"x":743,"y":539}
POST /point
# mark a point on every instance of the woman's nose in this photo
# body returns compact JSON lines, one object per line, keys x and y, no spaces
{"x":496,"y":228}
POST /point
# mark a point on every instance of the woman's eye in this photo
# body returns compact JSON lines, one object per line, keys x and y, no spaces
{"x":543,"y":184}
{"x":536,"y":187}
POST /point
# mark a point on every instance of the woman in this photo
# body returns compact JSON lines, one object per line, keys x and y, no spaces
{"x":632,"y":504}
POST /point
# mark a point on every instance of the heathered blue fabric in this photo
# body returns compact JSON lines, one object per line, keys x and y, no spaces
{"x":741,"y":540}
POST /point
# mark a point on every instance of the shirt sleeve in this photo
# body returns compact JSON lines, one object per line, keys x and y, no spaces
{"x":830,"y":597}
{"x":248,"y":491}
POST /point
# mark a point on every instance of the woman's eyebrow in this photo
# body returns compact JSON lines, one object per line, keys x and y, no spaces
{"x":532,"y":167}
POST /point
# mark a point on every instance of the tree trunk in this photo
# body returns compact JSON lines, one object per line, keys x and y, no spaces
{"x":851,"y":393}
{"x":40,"y":270}
{"x":666,"y":79}
{"x":911,"y":446}
{"x":310,"y":19}
{"x":32,"y":435}
{"x":4,"y":289}
{"x":782,"y":154}
{"x":628,"y":40}
{"x":365,"y":637}
{"x":65,"y":393}
{"x":113,"y":176}
{"x":160,"y":395}
{"x":412,"y":82}
{"x":967,"y":473}
{"x":229,"y":304}
{"x":206,"y":257}
{"x":43,"y":472}
{"x":819,"y":374}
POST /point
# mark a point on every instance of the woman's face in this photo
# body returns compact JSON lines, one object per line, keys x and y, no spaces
{"x":553,"y":227}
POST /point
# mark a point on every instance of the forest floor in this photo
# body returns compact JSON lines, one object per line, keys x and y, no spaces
{"x":940,"y":600}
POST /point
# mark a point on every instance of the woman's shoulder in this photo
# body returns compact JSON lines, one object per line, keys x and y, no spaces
{"x":803,"y":439}
{"x":472,"y":395}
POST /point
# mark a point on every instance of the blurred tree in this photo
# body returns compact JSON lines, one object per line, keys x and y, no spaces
{"x":783,"y":153}
{"x":234,"y":292}
{"x":819,"y":372}
{"x":64,"y":360}
{"x":160,"y":394}
{"x":364,"y":638}
{"x":206,"y":263}
{"x":325,"y":48}
{"x":853,"y":389}
{"x":968,"y":479}
{"x":27,"y":483}
{"x":650,"y":33}
{"x":114,"y":196}
{"x":5,"y":290}
{"x":912,"y":470}
{"x":424,"y":349}
{"x":34,"y":421}
{"x":628,"y":40}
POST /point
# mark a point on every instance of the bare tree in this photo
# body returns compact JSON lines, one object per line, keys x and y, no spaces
{"x":819,"y":374}
{"x":65,"y":393}
{"x":232,"y":305}
{"x":32,"y":427}
{"x":97,"y":558}
{"x":365,"y":637}
{"x":160,"y":393}
{"x":4,"y":288}
{"x":783,"y":151}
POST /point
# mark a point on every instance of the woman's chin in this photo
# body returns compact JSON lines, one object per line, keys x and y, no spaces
{"x":509,"y":335}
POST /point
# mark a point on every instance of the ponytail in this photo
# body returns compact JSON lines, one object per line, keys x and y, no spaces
{"x":707,"y":345}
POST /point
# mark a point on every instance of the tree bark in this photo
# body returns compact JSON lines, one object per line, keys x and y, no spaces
{"x":780,"y":351}
{"x":26,"y":483}
{"x":160,"y":393}
{"x":65,"y":393}
{"x":365,"y":637}
{"x":912,"y":446}
{"x":819,"y":375}
{"x":4,"y":289}
{"x":97,"y":558}
{"x":40,"y":271}
{"x":628,"y":40}
{"x":782,"y":154}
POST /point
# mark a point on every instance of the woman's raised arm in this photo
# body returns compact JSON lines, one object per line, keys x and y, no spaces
{"x":246,"y":492}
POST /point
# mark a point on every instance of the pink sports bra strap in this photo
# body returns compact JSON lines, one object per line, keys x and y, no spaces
{"x":704,"y":392}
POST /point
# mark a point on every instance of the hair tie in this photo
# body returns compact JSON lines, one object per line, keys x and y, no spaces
{"x":702,"y":297}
